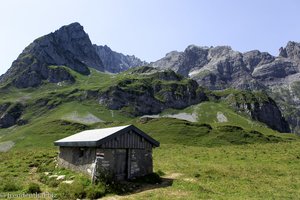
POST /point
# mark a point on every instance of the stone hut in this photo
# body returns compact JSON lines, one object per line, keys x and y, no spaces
{"x":124,"y":151}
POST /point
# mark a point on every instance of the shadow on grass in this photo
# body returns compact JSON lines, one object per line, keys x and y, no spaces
{"x":137,"y":186}
{"x":165,"y":182}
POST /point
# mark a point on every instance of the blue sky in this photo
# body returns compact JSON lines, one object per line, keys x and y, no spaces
{"x":150,"y":29}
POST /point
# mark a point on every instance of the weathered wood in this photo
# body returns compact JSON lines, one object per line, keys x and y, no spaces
{"x":127,"y":141}
{"x":125,"y":155}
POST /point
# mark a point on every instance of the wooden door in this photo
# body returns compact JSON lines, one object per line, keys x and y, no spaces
{"x":121,"y":164}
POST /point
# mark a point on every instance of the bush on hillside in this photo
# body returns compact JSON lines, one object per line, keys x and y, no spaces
{"x":9,"y":186}
{"x":95,"y":191}
{"x":71,"y":191}
{"x":33,"y":188}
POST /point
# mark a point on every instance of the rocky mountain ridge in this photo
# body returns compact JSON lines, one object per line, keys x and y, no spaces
{"x":52,"y":58}
{"x":69,"y":46}
{"x":115,"y":62}
{"x":221,"y":67}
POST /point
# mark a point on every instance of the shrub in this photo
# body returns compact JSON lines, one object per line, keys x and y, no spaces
{"x":160,"y":173}
{"x":83,"y":180}
{"x":95,"y":191}
{"x":10,"y":186}
{"x":71,"y":191}
{"x":33,"y":188}
{"x":52,"y":182}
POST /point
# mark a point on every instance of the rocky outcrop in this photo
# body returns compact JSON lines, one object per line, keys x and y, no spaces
{"x":115,"y":62}
{"x":215,"y":67}
{"x":291,"y":51}
{"x":10,"y":114}
{"x":259,"y":106}
{"x":255,"y":58}
{"x":69,"y":46}
{"x":279,"y":68}
{"x":33,"y":77}
{"x":152,"y":94}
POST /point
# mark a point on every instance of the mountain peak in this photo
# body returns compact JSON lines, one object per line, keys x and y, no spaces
{"x":73,"y":31}
{"x":73,"y":24}
{"x":292,"y":51}
{"x":192,"y":46}
{"x":69,"y":46}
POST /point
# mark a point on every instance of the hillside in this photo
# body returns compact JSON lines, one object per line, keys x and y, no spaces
{"x":215,"y":144}
{"x":216,"y":138}
{"x":137,"y":92}
{"x":221,"y":67}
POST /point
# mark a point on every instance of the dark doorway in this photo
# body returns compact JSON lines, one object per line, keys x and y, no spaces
{"x":121,"y":164}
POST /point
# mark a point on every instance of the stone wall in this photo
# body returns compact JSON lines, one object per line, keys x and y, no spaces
{"x":121,"y":163}
{"x":77,"y":159}
{"x":140,"y":162}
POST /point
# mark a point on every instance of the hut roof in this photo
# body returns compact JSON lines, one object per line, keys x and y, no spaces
{"x":96,"y":137}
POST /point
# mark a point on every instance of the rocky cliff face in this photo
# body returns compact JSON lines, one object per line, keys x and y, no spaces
{"x":291,"y":51}
{"x":151,"y":93}
{"x":221,"y":67}
{"x":69,"y":46}
{"x":115,"y":62}
{"x":10,"y":114}
{"x":260,"y":107}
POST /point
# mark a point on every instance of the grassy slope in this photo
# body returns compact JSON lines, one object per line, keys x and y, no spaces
{"x":207,"y":112}
{"x":256,"y":171}
{"x":203,"y":159}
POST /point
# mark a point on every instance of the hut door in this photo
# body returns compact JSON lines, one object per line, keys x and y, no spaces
{"x":121,"y":164}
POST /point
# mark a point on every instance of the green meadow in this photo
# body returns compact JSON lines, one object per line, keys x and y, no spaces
{"x":207,"y":158}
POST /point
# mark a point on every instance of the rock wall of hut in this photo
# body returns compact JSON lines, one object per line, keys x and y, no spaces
{"x":126,"y":156}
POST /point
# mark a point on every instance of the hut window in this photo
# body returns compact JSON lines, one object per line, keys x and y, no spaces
{"x":81,"y":152}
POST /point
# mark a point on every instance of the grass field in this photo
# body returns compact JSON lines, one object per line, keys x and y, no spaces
{"x":197,"y":163}
{"x":254,"y":171}
{"x":231,"y":158}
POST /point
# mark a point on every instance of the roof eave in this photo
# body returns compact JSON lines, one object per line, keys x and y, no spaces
{"x":76,"y":144}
